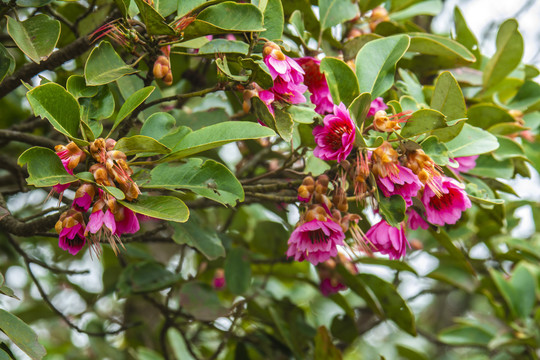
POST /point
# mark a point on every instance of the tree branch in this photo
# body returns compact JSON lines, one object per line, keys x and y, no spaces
{"x":11,"y":135}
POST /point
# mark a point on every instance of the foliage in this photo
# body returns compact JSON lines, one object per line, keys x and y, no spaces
{"x":146,"y":118}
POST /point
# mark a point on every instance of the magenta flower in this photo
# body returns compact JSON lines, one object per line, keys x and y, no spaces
{"x":335,"y":138}
{"x":218,"y":282}
{"x":268,"y":98}
{"x":388,"y":240}
{"x":315,"y":241}
{"x":330,"y":286}
{"x":415,"y":220}
{"x":71,"y":237}
{"x":129,"y":224}
{"x":466,"y":163}
{"x":448,"y":206}
{"x":376,"y":105}
{"x":317,"y":85}
{"x":98,"y":219}
{"x":404,"y":183}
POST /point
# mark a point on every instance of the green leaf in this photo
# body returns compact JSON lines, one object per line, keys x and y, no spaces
{"x":393,"y":305}
{"x":302,"y":114}
{"x":392,"y":209}
{"x":216,"y":135}
{"x":44,"y":167}
{"x":488,"y":166}
{"x":186,"y":6}
{"x":273,"y":19}
{"x":4,"y":355}
{"x":464,"y":35}
{"x":356,"y":284}
{"x":430,"y":44}
{"x":158,"y":125}
{"x":472,"y":141}
{"x":209,"y":179}
{"x":98,"y":107}
{"x":508,"y":149}
{"x":334,"y":12}
{"x":139,"y":143}
{"x":423,"y":121}
{"x":223,"y":46}
{"x":155,"y":23}
{"x":408,"y":353}
{"x":144,"y":277}
{"x":411,"y":86}
{"x":284,"y":124}
{"x":76,"y":85}
{"x":200,"y":301}
{"x":376,"y":63}
{"x":353,"y":46}
{"x":104,"y":65}
{"x":21,"y":334}
{"x":486,"y":115}
{"x":519,"y":291}
{"x":341,"y":80}
{"x":448,"y":99}
{"x":465,"y":335}
{"x":224,"y":18}
{"x":366,"y":5}
{"x":177,"y":343}
{"x":223,"y":66}
{"x":527,"y":95}
{"x":114,"y":191}
{"x":36,"y":36}
{"x":359,"y":109}
{"x":237,"y":271}
{"x":285,"y":332}
{"x":259,"y":72}
{"x":160,"y":207}
{"x":444,"y":239}
{"x":53,"y":102}
{"x":132,"y":102}
{"x":432,"y":7}
{"x":324,"y":348}
{"x":7,"y":63}
{"x":194,"y":234}
{"x":508,"y":54}
{"x":436,"y":150}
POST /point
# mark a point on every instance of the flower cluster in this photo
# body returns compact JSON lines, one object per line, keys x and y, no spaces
{"x":108,"y":217}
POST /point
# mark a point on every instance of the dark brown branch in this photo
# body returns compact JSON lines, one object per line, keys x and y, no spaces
{"x":12,"y":225}
{"x":10,"y":135}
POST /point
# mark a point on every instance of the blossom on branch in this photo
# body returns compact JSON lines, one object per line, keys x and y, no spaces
{"x":335,"y":138}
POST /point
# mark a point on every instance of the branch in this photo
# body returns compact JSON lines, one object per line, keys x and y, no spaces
{"x":12,"y":225}
{"x":11,"y":135}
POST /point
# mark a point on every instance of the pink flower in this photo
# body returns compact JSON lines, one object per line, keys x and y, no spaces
{"x":70,"y":228}
{"x":60,"y":188}
{"x":98,"y":219}
{"x":268,"y":98}
{"x":404,"y":183}
{"x":415,"y":220}
{"x":376,"y":105}
{"x":84,"y":197}
{"x":336,"y":138}
{"x":466,"y":163}
{"x":315,"y":241}
{"x":317,"y":85}
{"x":218,"y":282}
{"x":330,"y":286}
{"x":388,"y":240}
{"x":448,"y":206}
{"x":126,"y":221}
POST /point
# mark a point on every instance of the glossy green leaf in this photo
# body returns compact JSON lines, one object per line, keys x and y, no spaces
{"x":44,"y":168}
{"x":223,"y":46}
{"x":186,"y":6}
{"x":463,"y":335}
{"x":237,"y":271}
{"x":131,"y":103}
{"x":423,"y":121}
{"x":209,"y":179}
{"x":487,"y":165}
{"x":302,"y":114}
{"x":159,"y":207}
{"x":226,"y":17}
{"x":22,"y":335}
{"x":53,"y":102}
{"x":366,"y":5}
{"x":518,"y":292}
{"x":178,"y":345}
{"x":155,"y":23}
{"x":76,"y":85}
{"x":259,"y":72}
{"x":216,"y":135}
{"x":224,"y":69}
{"x":144,"y":277}
{"x":7,"y":63}
{"x":104,"y":65}
{"x":334,"y":12}
{"x":448,"y":99}
{"x":508,"y":54}
{"x":356,"y":284}
{"x":114,"y":191}
{"x":486,"y":115}
{"x":273,"y":19}
{"x":195,"y":234}
{"x":341,"y":80}
{"x":393,"y":305}
{"x":508,"y":149}
{"x":472,"y":141}
{"x":408,"y":353}
{"x":200,"y":301}
{"x":158,"y":125}
{"x":4,"y":355}
{"x":284,"y":124}
{"x":430,"y":44}
{"x":36,"y":36}
{"x":98,"y":107}
{"x":527,"y":95}
{"x":432,"y":7}
{"x":392,"y":209}
{"x":464,"y":35}
{"x":376,"y":63}
{"x":353,"y":46}
{"x":139,"y":144}
{"x":359,"y":109}
{"x":436,"y":150}
{"x":411,"y":86}
{"x":324,"y":348}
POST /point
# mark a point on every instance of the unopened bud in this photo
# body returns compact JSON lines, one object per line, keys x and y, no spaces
{"x":168,"y":79}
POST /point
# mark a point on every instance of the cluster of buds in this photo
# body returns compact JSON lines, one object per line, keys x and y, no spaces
{"x":389,"y":123}
{"x":162,"y":66}
{"x":108,"y":216}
